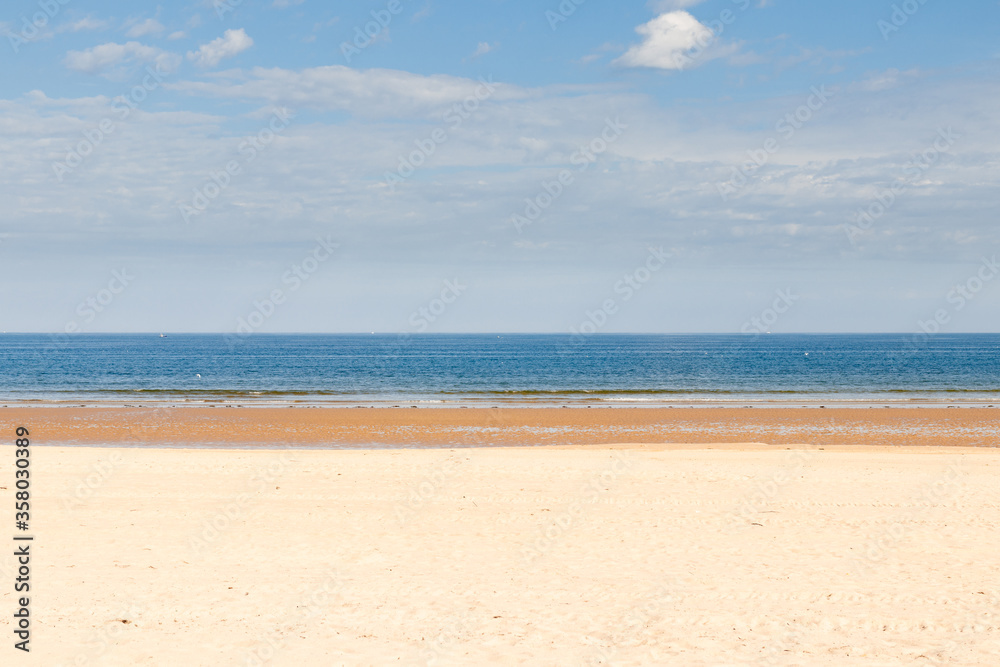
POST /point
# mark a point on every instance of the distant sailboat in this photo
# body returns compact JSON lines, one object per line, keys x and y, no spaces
{"x":162,"y":336}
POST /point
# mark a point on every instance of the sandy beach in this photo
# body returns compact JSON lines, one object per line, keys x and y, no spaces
{"x":406,"y":427}
{"x":516,"y":333}
{"x":697,"y":553}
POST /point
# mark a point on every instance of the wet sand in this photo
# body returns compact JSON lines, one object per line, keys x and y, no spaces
{"x":403,"y":427}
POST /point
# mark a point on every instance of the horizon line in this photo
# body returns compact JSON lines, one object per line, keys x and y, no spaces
{"x":497,"y":333}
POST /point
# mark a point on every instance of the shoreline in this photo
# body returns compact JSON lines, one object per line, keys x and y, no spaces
{"x":401,"y":428}
{"x":538,"y":404}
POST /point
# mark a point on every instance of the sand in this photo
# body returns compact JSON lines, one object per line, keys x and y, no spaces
{"x":625,"y":554}
{"x":404,"y":427}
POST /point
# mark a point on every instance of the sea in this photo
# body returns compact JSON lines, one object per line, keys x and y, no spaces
{"x":477,"y":370}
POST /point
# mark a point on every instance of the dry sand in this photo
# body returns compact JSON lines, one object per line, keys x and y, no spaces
{"x":628,"y":555}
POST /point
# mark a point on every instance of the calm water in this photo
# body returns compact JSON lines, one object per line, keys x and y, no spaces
{"x":490,"y":369}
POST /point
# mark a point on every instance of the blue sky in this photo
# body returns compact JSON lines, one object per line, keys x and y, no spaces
{"x":206,"y":148}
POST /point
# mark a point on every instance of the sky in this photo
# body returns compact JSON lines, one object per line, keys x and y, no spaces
{"x":673,"y":166}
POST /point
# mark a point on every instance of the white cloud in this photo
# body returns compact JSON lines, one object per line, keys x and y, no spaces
{"x":483,"y":48}
{"x":817,"y":57}
{"x":661,"y":6}
{"x":422,"y":13}
{"x":671,"y":41}
{"x":326,"y":24}
{"x":179,"y":34}
{"x":147,"y":27}
{"x":373,"y":92}
{"x":87,"y":23}
{"x":326,"y":174}
{"x":230,"y":44}
{"x":891,"y":78}
{"x":112,"y":55}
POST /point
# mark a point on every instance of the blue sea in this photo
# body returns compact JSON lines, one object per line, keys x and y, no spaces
{"x":488,"y":370}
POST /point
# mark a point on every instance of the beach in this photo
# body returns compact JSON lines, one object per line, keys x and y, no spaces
{"x":151,"y":550}
{"x":228,"y":426}
{"x":500,"y":333}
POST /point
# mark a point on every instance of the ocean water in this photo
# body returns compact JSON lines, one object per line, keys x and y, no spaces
{"x":445,"y":370}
